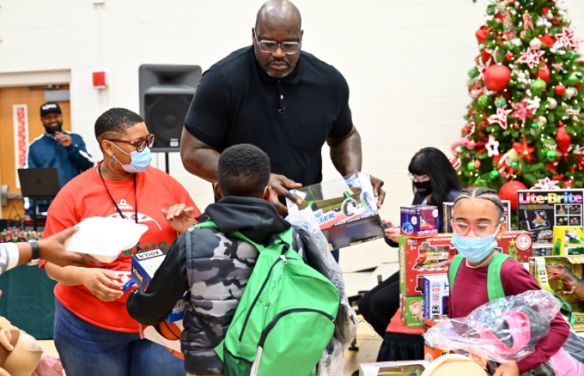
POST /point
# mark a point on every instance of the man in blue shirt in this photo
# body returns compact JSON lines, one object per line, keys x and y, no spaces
{"x":56,"y":148}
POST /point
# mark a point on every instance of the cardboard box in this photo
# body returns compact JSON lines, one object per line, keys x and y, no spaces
{"x":448,"y":210}
{"x":144,"y":265}
{"x":539,"y":211}
{"x":344,"y":207}
{"x":568,"y":241}
{"x":405,"y":368}
{"x":538,"y":267}
{"x":430,"y":256}
{"x":436,"y":295}
{"x":419,"y":221}
{"x":432,"y":353}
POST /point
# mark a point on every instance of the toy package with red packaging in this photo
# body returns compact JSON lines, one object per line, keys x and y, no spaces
{"x":345,"y":209}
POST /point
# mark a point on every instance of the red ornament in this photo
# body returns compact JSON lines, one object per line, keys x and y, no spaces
{"x":560,"y":89}
{"x":509,"y":55}
{"x":568,"y":183}
{"x":552,"y":168}
{"x":485,"y":56}
{"x":509,"y":192}
{"x":524,"y":150}
{"x":547,"y":40}
{"x":545,"y":11}
{"x":544,"y":73}
{"x":482,"y":34}
{"x":563,"y":140}
{"x":497,"y":77}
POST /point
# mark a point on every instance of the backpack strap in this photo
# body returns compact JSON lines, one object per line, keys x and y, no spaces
{"x":453,"y":270}
{"x":494,"y":284}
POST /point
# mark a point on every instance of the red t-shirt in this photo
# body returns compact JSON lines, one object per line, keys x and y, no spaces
{"x":86,"y":196}
{"x":470,"y":292}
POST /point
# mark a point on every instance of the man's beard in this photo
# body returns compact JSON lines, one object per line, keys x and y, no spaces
{"x":54,"y":128}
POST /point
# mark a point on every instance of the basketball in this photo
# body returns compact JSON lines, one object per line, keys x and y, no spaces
{"x":172,"y":332}
{"x":169,"y":331}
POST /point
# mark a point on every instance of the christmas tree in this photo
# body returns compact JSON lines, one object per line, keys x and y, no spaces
{"x":525,"y":125}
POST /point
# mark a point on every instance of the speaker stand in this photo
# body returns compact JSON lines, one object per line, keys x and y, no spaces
{"x":166,"y":163}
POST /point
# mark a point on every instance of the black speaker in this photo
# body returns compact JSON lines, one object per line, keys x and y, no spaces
{"x":166,"y":92}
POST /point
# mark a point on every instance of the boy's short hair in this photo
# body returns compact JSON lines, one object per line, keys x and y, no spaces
{"x":244,"y":170}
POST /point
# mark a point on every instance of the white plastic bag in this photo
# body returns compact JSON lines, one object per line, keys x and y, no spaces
{"x":105,"y":238}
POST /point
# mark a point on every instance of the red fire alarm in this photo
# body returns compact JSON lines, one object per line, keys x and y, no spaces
{"x":99,"y":80}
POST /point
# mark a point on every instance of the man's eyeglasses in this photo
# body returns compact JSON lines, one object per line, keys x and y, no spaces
{"x":417,"y":177}
{"x":140,"y":144}
{"x":270,"y":46}
{"x":481,"y":229}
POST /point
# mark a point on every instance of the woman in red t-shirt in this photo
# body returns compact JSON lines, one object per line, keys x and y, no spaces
{"x":94,"y":334}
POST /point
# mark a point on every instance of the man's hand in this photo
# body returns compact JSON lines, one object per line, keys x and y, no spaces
{"x":392,"y":232}
{"x":507,"y":369}
{"x":179,"y":217}
{"x":280,"y":185}
{"x":65,"y":139}
{"x":102,"y":283}
{"x":53,"y":250}
{"x":377,"y":191}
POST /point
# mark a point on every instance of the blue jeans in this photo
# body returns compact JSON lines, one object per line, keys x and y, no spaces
{"x":87,"y":350}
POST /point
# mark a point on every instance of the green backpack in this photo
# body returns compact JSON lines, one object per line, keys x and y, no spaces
{"x":285,"y":318}
{"x":494,"y":284}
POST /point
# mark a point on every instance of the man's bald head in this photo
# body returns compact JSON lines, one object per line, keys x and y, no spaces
{"x":279,"y":12}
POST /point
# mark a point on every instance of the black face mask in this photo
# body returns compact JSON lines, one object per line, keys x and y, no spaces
{"x":54,"y":129}
{"x":424,"y":188}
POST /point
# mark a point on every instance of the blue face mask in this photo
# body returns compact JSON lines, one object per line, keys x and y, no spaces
{"x":475,"y":249}
{"x":140,"y":160}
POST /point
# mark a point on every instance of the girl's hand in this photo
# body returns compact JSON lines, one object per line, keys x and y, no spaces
{"x":507,"y":369}
{"x":179,"y":217}
{"x":102,"y":283}
{"x":392,"y":232}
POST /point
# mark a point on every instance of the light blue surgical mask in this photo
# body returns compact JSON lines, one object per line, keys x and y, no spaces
{"x":475,"y":249}
{"x":140,"y":160}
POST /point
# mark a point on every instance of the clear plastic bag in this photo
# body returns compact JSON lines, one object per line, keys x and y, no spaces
{"x":318,"y":256}
{"x":501,"y":330}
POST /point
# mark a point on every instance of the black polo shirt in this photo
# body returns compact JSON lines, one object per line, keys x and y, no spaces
{"x":290,"y":118}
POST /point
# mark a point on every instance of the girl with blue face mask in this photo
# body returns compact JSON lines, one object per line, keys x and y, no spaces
{"x":477,"y":225}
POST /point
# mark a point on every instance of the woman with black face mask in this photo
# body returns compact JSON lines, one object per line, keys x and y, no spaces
{"x":434,"y":182}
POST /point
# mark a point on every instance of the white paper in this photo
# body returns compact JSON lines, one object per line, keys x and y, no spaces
{"x":105,"y":238}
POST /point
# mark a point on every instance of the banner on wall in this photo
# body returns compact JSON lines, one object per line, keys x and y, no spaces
{"x":20,"y":119}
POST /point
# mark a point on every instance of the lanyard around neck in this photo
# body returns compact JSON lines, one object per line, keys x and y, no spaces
{"x":114,"y":201}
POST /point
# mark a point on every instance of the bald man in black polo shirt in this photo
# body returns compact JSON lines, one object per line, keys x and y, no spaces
{"x":281,"y":99}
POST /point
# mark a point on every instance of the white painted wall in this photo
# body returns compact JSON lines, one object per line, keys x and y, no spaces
{"x":405,"y":61}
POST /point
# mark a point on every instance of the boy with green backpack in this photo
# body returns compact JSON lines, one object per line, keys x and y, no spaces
{"x":255,"y":307}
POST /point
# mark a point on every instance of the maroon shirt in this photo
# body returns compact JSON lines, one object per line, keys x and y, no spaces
{"x":470,"y":291}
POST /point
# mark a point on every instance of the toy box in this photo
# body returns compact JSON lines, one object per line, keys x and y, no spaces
{"x":539,"y":211}
{"x":345,"y":208}
{"x":144,"y":265}
{"x":405,"y":368}
{"x":436,"y":294}
{"x":568,"y":241}
{"x":448,"y":210}
{"x":419,"y":258}
{"x":431,"y":353}
{"x":546,"y":271}
{"x":419,"y":221}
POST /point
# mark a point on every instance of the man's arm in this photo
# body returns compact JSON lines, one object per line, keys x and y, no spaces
{"x":78,"y":153}
{"x":152,"y":303}
{"x":199,"y":158}
{"x":347,"y":158}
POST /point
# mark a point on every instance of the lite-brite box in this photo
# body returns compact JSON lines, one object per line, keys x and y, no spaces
{"x":436,"y":294}
{"x":542,"y":268}
{"x":568,"y":241}
{"x":539,"y":211}
{"x":144,"y":265}
{"x":345,"y":208}
{"x":447,"y":215}
{"x":423,"y":257}
{"x":405,"y":368}
{"x":419,"y":221}
{"x":431,"y":353}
